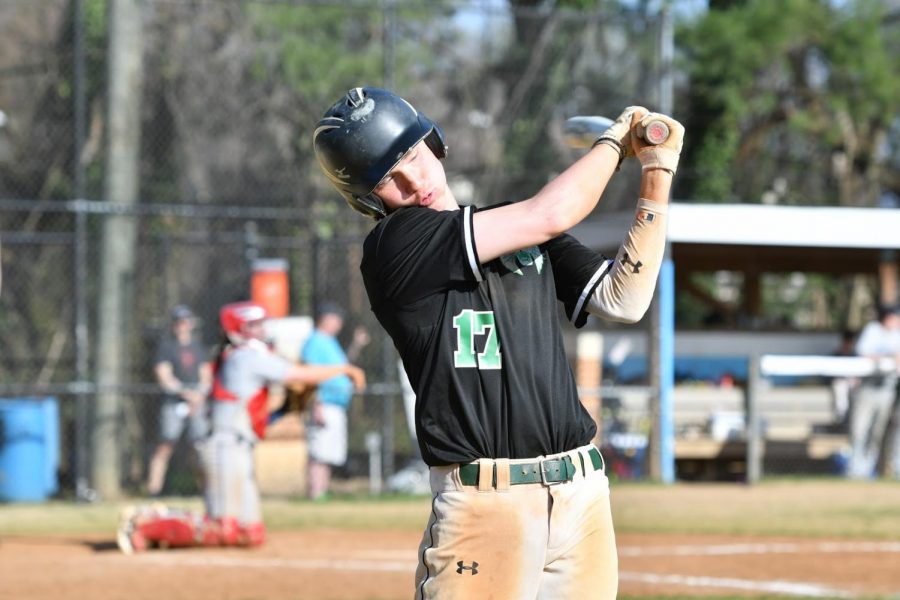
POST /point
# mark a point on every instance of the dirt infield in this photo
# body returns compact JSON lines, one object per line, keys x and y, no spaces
{"x":781,"y":539}
{"x":366,"y":564}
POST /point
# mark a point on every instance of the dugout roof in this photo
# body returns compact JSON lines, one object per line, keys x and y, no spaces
{"x":764,"y":238}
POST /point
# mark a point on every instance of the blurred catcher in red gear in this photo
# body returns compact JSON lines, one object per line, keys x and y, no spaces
{"x":239,"y":411}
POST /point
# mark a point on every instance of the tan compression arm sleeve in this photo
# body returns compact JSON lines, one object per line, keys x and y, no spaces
{"x":625,"y":293}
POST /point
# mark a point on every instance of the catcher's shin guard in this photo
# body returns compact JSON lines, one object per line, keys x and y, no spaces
{"x":232,"y":533}
{"x":229,"y":531}
{"x":253,"y":534}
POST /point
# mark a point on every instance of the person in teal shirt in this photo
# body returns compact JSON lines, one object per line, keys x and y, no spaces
{"x":327,"y":426}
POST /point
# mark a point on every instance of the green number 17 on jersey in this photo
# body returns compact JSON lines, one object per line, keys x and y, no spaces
{"x":470,"y":324}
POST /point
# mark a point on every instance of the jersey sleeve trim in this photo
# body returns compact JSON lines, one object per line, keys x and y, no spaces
{"x":578,"y":315}
{"x":469,"y":241}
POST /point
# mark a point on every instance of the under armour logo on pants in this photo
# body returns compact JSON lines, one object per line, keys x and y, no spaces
{"x":461,"y":566}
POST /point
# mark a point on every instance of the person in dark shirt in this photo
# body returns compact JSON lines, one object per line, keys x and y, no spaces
{"x":184,"y":372}
{"x":521,"y":502}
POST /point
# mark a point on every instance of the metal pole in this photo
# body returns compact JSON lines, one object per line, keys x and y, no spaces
{"x":80,"y":102}
{"x":388,"y":33}
{"x":754,"y":433}
{"x":666,"y":55}
{"x":373,"y":445}
{"x":661,"y":347}
{"x":666,"y":382}
{"x":251,"y":244}
{"x":83,"y":490}
{"x":125,"y":73}
{"x":387,"y":409}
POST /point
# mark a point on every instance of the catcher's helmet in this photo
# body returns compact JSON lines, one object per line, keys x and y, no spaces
{"x":363,"y":136}
{"x":234,"y":316}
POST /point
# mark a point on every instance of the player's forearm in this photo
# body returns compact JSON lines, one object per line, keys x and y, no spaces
{"x":656,"y":185}
{"x":572,"y":195}
{"x":167,"y":380}
{"x":315,"y":374}
{"x":560,"y":205}
{"x":626,"y":292}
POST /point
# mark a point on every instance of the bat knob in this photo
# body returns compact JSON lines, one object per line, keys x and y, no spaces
{"x":656,"y":132}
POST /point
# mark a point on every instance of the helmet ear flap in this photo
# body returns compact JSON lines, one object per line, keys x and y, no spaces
{"x":369,"y":205}
{"x":435,"y":141}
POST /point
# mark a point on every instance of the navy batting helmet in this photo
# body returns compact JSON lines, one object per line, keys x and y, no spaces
{"x":363,"y":136}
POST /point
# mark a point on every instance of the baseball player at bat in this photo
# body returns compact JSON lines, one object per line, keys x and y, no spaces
{"x":244,"y":368}
{"x":521,"y":505}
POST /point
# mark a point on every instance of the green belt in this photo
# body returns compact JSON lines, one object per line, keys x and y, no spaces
{"x":547,"y":471}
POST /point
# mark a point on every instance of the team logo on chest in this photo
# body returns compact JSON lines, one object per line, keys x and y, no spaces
{"x":524,"y":258}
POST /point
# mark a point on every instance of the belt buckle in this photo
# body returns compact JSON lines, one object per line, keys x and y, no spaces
{"x":544,"y":472}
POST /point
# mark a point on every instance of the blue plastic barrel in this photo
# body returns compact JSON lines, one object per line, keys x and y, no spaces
{"x":29,"y":449}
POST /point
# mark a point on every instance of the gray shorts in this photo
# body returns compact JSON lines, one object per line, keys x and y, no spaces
{"x":173,"y":420}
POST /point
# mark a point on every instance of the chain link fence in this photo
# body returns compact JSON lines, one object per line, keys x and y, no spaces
{"x":203,"y":258}
{"x":228,"y":95}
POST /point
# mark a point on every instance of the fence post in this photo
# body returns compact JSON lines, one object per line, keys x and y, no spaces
{"x":661,"y":354}
{"x":754,"y":433}
{"x":83,"y":491}
{"x":373,"y":446}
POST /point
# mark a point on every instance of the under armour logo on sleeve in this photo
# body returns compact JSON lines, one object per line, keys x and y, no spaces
{"x":636,"y":266}
{"x":461,"y":566}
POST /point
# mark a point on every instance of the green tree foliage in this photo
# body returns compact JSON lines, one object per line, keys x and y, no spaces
{"x":312,"y":54}
{"x":317,"y":50}
{"x":576,"y":57}
{"x":802,"y":91}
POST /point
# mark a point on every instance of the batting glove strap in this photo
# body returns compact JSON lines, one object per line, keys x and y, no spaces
{"x":659,"y":157}
{"x":613,"y":143}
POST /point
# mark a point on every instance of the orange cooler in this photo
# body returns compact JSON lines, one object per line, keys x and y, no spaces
{"x":269,"y":286}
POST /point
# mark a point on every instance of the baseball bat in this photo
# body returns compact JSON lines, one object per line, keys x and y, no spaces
{"x":583,"y":131}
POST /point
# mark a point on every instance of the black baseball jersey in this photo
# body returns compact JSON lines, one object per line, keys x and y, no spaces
{"x":481,"y":344}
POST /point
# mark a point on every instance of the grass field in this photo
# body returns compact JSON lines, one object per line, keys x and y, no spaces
{"x":791,"y":527}
{"x":802,"y":507}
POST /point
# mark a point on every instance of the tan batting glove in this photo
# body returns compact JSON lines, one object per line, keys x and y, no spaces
{"x":619,"y":133}
{"x":660,"y":156}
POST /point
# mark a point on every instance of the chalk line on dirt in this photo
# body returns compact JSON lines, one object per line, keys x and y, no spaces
{"x":761,"y":548}
{"x":792,"y":588}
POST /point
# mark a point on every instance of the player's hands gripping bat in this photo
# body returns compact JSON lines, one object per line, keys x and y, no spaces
{"x":663,"y":155}
{"x":584,"y":131}
{"x":617,"y":134}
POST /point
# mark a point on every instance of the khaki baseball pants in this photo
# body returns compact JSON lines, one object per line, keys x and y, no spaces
{"x":530,"y":541}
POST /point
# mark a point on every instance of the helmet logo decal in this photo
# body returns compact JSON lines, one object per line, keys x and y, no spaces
{"x":363,"y":111}
{"x":355,"y":96}
{"x":341,"y":173}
